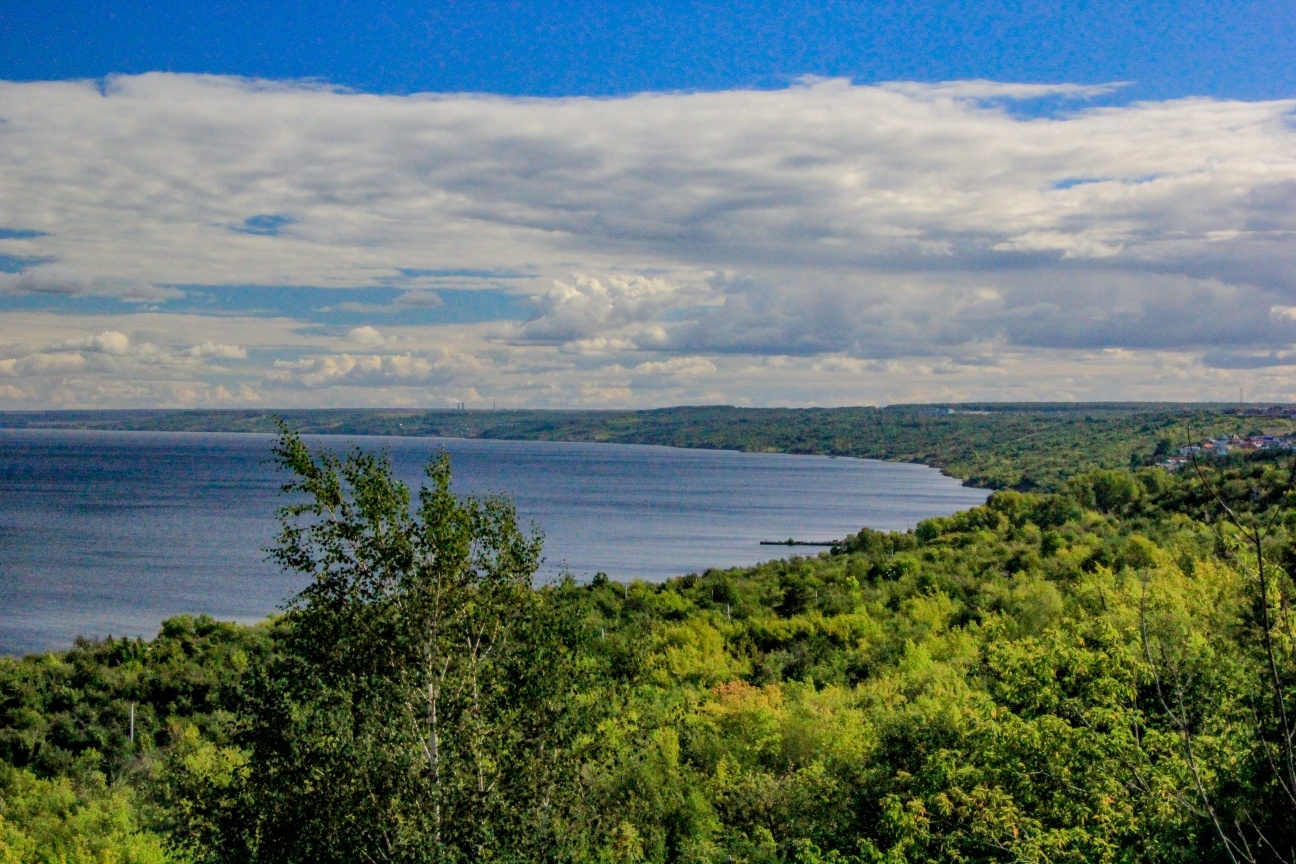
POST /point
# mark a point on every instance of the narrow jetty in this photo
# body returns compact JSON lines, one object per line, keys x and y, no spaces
{"x":791,"y":542}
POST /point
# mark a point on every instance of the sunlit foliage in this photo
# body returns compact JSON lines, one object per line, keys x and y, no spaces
{"x":1103,"y":673}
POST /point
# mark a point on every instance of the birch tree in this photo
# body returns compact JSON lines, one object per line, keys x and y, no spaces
{"x":424,"y":707}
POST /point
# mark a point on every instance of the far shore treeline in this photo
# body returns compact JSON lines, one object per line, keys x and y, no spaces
{"x":1097,"y":665}
{"x":996,"y":445}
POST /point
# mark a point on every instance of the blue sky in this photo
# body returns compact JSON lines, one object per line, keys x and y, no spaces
{"x":1238,"y":50}
{"x":369,"y":203}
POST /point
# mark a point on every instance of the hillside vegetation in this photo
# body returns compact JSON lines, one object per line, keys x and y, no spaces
{"x":1103,"y":672}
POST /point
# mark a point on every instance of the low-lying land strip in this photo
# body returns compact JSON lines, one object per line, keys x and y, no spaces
{"x":995,"y":445}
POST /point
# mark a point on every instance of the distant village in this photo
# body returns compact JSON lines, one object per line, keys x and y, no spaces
{"x":1226,"y":444}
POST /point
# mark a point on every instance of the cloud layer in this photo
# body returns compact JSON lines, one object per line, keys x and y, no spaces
{"x":821,"y":243}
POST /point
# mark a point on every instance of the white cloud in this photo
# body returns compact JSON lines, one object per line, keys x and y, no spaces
{"x":820,"y":174}
{"x":851,"y":365}
{"x":601,"y":346}
{"x":980,"y":89}
{"x":116,"y":344}
{"x":109,"y":342}
{"x":421,"y":298}
{"x":217,"y":350}
{"x":677,"y":366}
{"x":55,"y":279}
{"x":904,"y":223}
{"x":42,"y":363}
{"x":366,"y":335}
{"x":1102,"y":243}
{"x":443,"y":366}
{"x":583,"y":307}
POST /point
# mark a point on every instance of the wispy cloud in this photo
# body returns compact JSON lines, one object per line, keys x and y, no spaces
{"x":43,"y":278}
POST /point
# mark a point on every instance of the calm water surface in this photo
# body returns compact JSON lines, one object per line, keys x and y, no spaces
{"x":110,"y":532}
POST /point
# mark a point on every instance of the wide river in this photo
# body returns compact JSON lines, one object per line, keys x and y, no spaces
{"x":110,"y":532}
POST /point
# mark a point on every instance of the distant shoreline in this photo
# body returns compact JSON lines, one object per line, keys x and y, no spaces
{"x":1021,"y":445}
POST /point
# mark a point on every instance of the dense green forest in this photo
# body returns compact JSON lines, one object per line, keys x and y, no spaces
{"x":1103,"y":671}
{"x":1026,"y":446}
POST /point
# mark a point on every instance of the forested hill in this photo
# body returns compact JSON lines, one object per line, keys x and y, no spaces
{"x":996,"y":445}
{"x":1102,"y":674}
